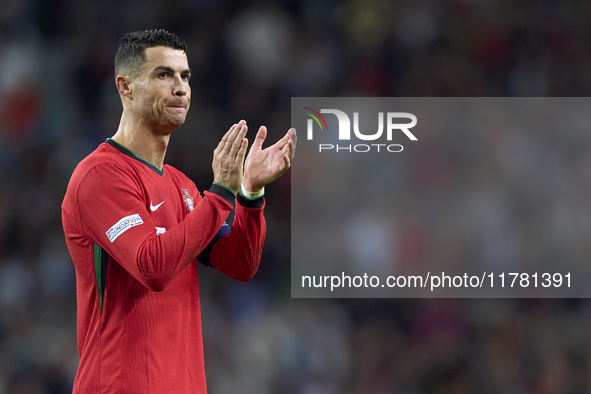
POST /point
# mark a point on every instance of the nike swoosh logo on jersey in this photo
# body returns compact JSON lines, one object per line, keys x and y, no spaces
{"x":155,"y":207}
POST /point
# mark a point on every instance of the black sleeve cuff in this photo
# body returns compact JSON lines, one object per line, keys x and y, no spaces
{"x":245,"y":202}
{"x":224,"y":193}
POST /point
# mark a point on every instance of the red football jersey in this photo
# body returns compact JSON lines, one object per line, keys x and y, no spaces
{"x":134,"y":233}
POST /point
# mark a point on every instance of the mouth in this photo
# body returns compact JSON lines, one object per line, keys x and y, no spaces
{"x":177,"y":109}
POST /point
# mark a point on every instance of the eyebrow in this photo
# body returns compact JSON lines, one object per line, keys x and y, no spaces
{"x":170,"y":70}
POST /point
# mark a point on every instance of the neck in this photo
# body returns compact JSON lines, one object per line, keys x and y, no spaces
{"x":142,"y":140}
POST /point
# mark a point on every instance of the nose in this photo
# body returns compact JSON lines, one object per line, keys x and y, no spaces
{"x":180,"y":87}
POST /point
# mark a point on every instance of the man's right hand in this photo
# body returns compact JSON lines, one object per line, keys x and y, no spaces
{"x":228,"y":157}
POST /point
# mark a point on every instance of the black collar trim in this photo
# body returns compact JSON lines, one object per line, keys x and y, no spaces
{"x":129,"y":153}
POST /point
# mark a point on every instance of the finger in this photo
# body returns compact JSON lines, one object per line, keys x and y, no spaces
{"x":294,"y":141}
{"x":237,"y":143}
{"x":232,"y":137}
{"x":260,"y":138}
{"x":242,"y":151}
{"x":293,"y":138}
{"x":286,"y":162}
{"x":286,"y":151}
{"x":222,"y":142}
{"x":230,"y":131}
{"x":283,"y":141}
{"x":227,"y":134}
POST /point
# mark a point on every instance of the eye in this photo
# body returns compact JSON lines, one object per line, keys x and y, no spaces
{"x":162,"y":75}
{"x":185,"y":77}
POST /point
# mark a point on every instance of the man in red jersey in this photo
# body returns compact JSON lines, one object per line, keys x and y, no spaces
{"x":135,"y":229}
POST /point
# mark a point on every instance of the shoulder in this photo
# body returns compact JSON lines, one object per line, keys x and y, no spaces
{"x":105,"y":161}
{"x":92,"y":174}
{"x":104,"y":153}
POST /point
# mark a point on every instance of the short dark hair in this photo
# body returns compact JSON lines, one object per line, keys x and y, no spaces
{"x":132,"y":50}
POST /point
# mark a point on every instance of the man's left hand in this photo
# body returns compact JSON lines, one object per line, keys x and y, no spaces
{"x":263,"y":166}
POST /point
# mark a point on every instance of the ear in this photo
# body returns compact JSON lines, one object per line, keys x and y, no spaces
{"x":124,"y":86}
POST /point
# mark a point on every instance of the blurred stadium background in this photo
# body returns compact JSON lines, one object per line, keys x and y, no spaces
{"x":58,"y":102}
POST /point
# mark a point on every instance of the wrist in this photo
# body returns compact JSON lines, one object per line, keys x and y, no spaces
{"x":250,"y":194}
{"x":250,"y":187}
{"x":225,"y":187}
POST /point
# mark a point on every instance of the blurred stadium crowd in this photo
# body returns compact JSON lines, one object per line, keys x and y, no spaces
{"x":58,"y":102}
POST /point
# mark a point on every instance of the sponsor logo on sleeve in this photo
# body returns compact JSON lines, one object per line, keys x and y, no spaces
{"x":123,"y":225}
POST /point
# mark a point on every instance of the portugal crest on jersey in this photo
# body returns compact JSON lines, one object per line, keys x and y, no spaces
{"x":188,"y":199}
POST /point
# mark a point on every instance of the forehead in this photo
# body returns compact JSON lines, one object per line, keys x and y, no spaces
{"x":164,"y":56}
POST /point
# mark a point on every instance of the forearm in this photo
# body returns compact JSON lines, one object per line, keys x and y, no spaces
{"x":115,"y":216}
{"x":162,"y":257}
{"x":238,"y":253}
